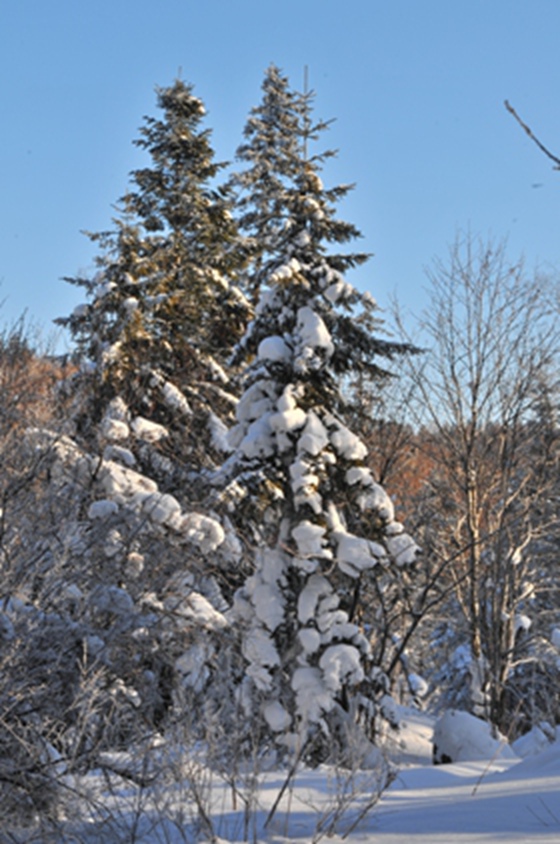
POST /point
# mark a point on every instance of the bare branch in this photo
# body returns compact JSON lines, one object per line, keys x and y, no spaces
{"x":528,"y":130}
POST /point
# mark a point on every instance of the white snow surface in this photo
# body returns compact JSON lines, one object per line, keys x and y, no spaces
{"x":490,"y":801}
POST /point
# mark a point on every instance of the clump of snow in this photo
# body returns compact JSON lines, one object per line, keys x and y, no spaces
{"x":304,"y":486}
{"x":117,"y":409}
{"x":376,"y":498}
{"x":286,"y":422}
{"x":313,"y":698}
{"x":115,"y":429}
{"x":117,"y":452}
{"x":522,"y":622}
{"x":103,"y":286}
{"x":130,"y":304}
{"x":359,"y":475}
{"x":267,"y":602}
{"x":150,"y":432}
{"x":311,"y":335}
{"x":355,"y":554}
{"x":338,"y":291}
{"x":310,"y":640}
{"x":120,"y":689}
{"x":72,"y":592}
{"x":314,"y":437}
{"x":256,"y":401}
{"x":402,"y":548}
{"x":197,"y":609}
{"x":316,"y":588}
{"x":111,"y":353}
{"x":264,"y":589}
{"x":276,"y":716}
{"x":174,"y":399}
{"x":418,"y":686}
{"x":273,"y":349}
{"x":164,"y":509}
{"x":461,"y":737}
{"x":80,"y":311}
{"x":341,"y":664}
{"x":218,"y":434}
{"x":113,"y":544}
{"x":260,"y":651}
{"x":310,"y":540}
{"x":102,"y":509}
{"x":285,"y":272}
{"x":346,"y":443}
{"x":258,"y":439}
{"x":216,"y":372}
{"x":205,"y":532}
{"x":123,"y":485}
{"x":301,"y":239}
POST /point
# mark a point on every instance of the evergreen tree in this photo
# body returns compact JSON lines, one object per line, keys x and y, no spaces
{"x":321,"y":523}
{"x":140,"y":549}
{"x":164,"y":310}
{"x":271,"y":153}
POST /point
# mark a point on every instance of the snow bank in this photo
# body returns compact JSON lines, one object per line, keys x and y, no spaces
{"x":460,"y":737}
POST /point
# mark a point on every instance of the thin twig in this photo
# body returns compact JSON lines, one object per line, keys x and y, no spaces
{"x":528,"y":130}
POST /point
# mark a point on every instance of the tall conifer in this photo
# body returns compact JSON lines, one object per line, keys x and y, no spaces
{"x":163,"y":311}
{"x":323,"y":524}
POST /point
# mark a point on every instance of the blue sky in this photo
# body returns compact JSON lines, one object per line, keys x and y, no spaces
{"x":416,"y":87}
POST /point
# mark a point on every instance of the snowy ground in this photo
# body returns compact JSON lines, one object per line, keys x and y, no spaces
{"x":487,"y":801}
{"x":491,"y":801}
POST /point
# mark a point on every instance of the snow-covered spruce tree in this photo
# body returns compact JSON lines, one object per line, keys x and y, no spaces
{"x":118,"y":545}
{"x":163,"y":311}
{"x":271,"y":153}
{"x":321,"y":525}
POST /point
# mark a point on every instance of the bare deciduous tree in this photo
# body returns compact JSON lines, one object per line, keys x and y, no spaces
{"x":492,"y":341}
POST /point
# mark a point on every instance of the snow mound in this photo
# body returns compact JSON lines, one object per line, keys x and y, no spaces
{"x":535,"y":741}
{"x":460,"y":737}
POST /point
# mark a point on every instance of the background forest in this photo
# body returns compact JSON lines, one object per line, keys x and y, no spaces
{"x":245,"y":519}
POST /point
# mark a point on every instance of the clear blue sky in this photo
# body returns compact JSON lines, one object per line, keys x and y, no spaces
{"x":416,"y":87}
